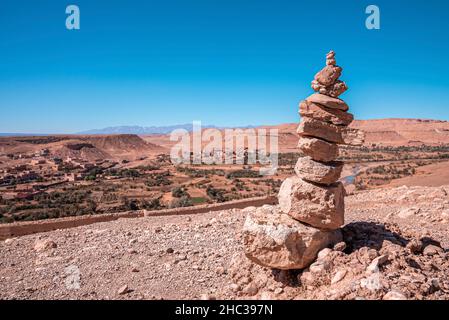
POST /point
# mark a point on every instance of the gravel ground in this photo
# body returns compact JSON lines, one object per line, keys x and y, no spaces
{"x":199,"y":256}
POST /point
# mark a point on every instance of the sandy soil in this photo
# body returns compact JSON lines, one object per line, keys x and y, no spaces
{"x":433,"y":175}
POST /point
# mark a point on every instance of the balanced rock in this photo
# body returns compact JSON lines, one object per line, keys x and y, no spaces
{"x":330,"y":59}
{"x":317,"y":205}
{"x":328,"y":102}
{"x":324,"y":173}
{"x":328,"y":75}
{"x":326,"y":81}
{"x":275,"y":240}
{"x":319,"y":129}
{"x":311,"y":203}
{"x":317,"y":149}
{"x":318,"y":112}
{"x":334,"y":90}
{"x":329,"y":132}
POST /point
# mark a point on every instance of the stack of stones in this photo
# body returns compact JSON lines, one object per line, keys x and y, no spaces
{"x":311,"y":203}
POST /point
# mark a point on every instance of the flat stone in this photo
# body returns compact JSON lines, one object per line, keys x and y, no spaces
{"x":376,"y":263}
{"x":324,"y":173}
{"x":275,"y":240}
{"x":319,"y":129}
{"x":328,"y":102}
{"x":329,"y":132}
{"x":317,"y":149}
{"x":317,"y":205}
{"x":123,"y":290}
{"x":321,"y":113}
{"x":328,"y":75}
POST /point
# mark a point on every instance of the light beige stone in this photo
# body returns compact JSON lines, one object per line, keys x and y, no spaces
{"x":44,"y":244}
{"x":394,"y":295}
{"x":338,"y":276}
{"x":275,"y":240}
{"x":324,"y":173}
{"x":328,"y":102}
{"x":317,"y":149}
{"x":317,"y":205}
{"x":330,"y":54}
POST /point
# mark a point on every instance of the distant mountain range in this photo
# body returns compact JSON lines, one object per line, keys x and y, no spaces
{"x":127,"y":130}
{"x":146,"y":130}
{"x":5,"y":134}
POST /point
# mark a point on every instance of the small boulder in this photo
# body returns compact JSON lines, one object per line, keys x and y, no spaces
{"x":328,"y":75}
{"x":317,"y":205}
{"x":328,"y":102}
{"x":317,"y":149}
{"x":320,"y":172}
{"x":321,"y":113}
{"x":275,"y":240}
{"x":44,"y":244}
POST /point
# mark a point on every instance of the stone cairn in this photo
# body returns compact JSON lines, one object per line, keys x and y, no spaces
{"x":311,"y":203}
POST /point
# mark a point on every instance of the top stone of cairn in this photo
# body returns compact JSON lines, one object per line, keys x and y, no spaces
{"x":326,"y":81}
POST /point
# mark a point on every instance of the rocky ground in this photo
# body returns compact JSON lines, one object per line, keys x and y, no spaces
{"x":394,"y":248}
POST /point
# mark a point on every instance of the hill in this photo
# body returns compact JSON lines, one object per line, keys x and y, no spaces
{"x":386,"y":132}
{"x":82,"y":146}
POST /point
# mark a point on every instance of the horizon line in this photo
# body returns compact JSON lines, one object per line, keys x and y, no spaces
{"x":29,"y":134}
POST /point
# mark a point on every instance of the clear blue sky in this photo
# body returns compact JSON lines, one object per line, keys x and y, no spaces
{"x":224,"y":62}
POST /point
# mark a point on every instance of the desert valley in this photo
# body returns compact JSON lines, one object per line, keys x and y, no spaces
{"x":58,"y":176}
{"x":397,"y":207}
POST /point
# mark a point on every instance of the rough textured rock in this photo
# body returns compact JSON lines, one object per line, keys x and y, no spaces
{"x":321,"y":113}
{"x":329,"y":132}
{"x":275,"y":240}
{"x":328,"y":102}
{"x":353,"y":136}
{"x":319,"y":206}
{"x":44,"y":244}
{"x":318,"y":149}
{"x":334,"y":90}
{"x":319,"y":129}
{"x":328,"y":75}
{"x":319,"y":172}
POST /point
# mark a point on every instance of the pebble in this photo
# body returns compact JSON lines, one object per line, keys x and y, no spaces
{"x":339,"y":275}
{"x":123,"y":290}
{"x":431,"y":250}
{"x":394,"y":295}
